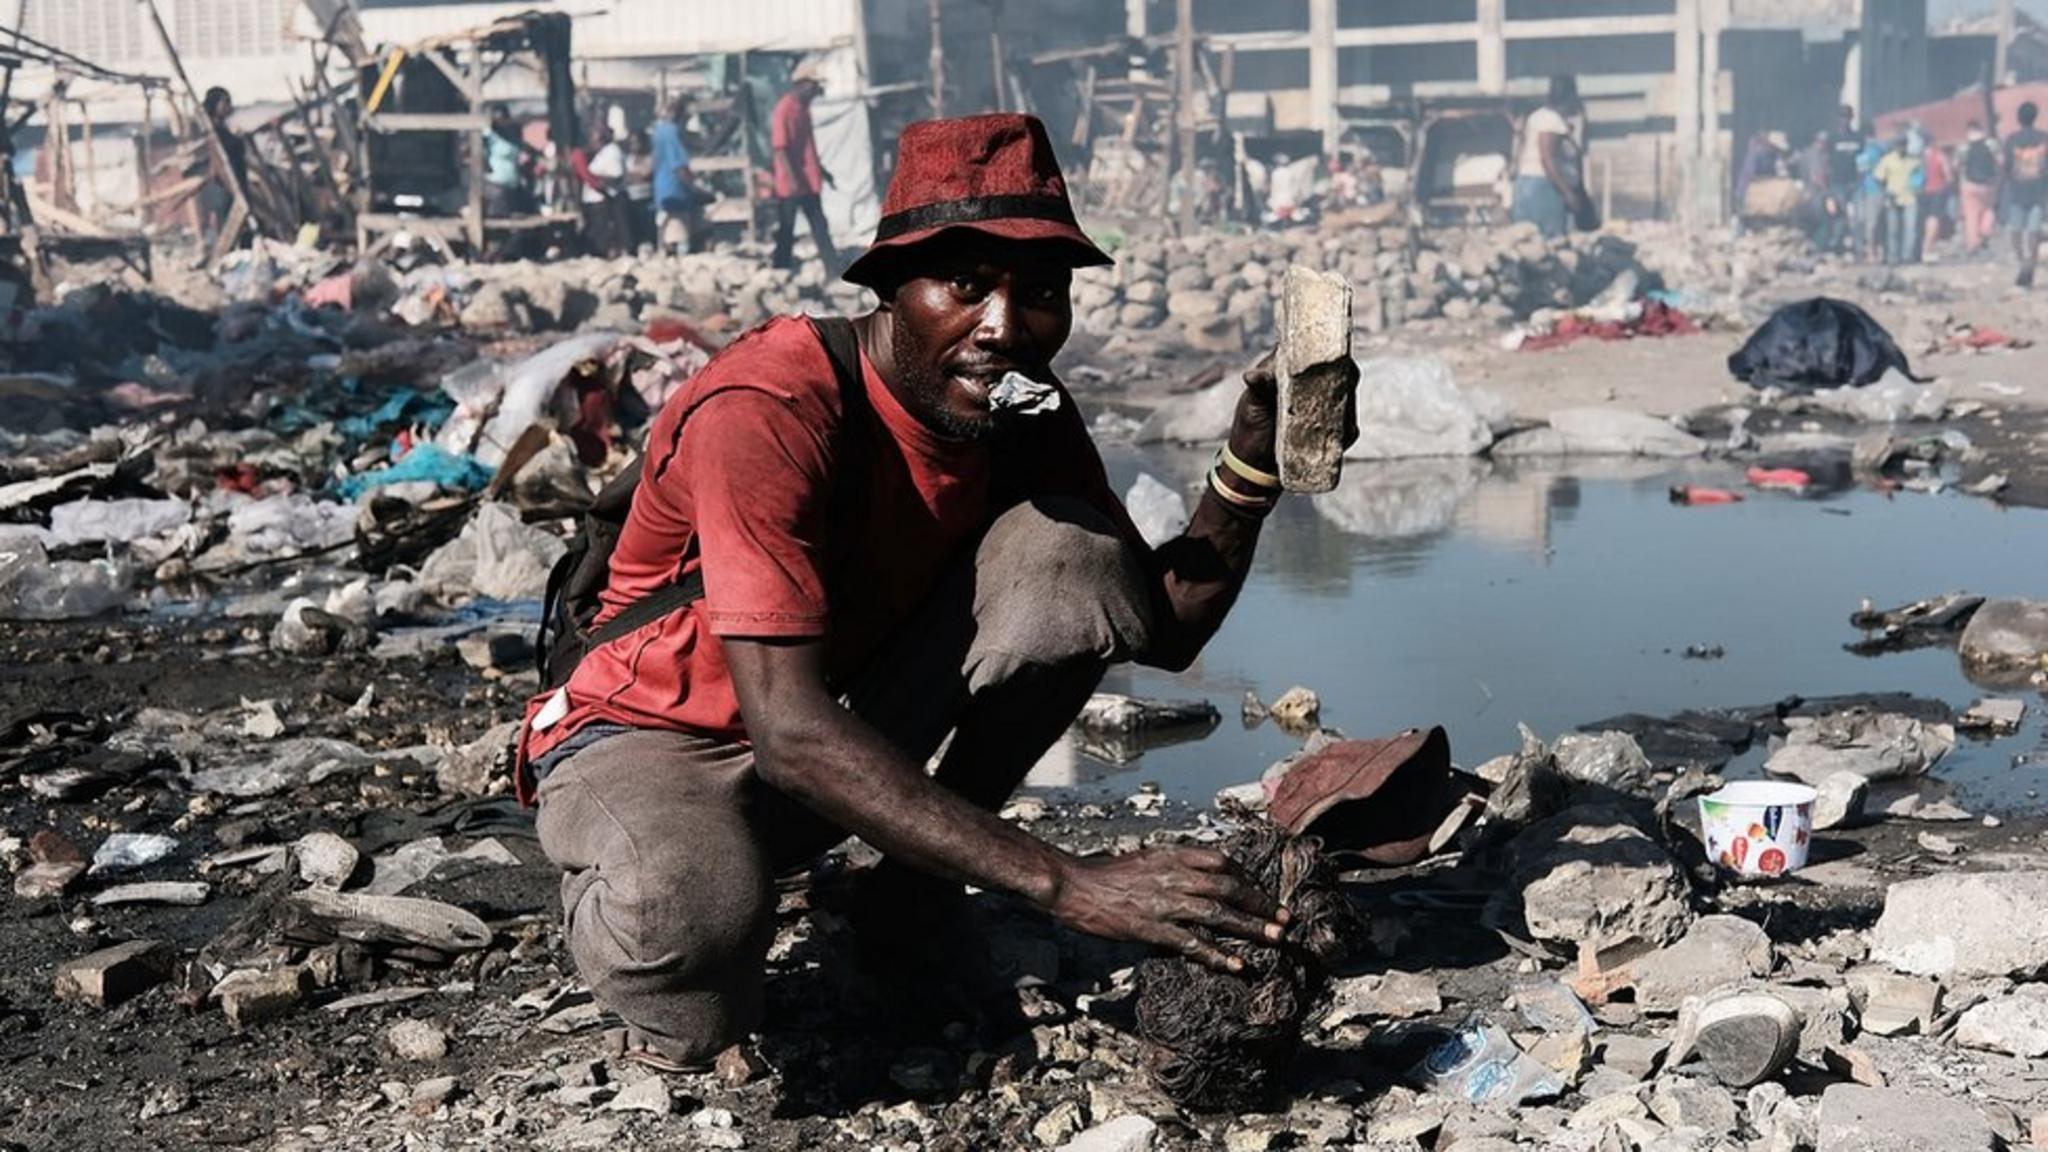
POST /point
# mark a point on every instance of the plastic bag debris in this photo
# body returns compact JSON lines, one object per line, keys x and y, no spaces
{"x":1414,"y":407}
{"x":126,"y":851}
{"x":496,"y":556}
{"x":1889,"y":401}
{"x":496,"y":403}
{"x":115,"y":521}
{"x":1159,"y":512}
{"x":285,"y":764}
{"x":35,"y":587}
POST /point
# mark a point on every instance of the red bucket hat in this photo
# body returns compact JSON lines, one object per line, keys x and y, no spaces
{"x":994,"y":174}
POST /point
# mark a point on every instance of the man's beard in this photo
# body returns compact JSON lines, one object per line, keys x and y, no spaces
{"x":925,"y":389}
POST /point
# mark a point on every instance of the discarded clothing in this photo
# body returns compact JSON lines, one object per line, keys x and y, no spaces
{"x":1818,"y":343}
{"x":1656,"y":319}
{"x":427,"y":462}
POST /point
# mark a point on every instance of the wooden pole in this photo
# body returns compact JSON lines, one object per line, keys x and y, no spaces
{"x":1184,"y":106}
{"x":238,"y":214}
{"x":475,"y":93}
{"x":938,"y":61}
{"x":2002,"y":54}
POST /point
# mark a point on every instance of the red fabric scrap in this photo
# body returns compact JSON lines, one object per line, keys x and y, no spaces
{"x":1657,"y":319}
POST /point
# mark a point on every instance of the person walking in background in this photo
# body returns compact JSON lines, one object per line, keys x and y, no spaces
{"x":1548,"y":190}
{"x":505,"y":190}
{"x":600,"y":168}
{"x":640,"y":191}
{"x":1843,"y":180}
{"x":678,"y":202}
{"x":2026,"y":189}
{"x":1937,"y":192}
{"x":1978,"y":191}
{"x":217,"y":195}
{"x":1900,"y":174}
{"x":800,"y":178}
{"x":1870,"y":198}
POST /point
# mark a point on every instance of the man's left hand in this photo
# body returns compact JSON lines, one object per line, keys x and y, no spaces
{"x":1254,"y":430}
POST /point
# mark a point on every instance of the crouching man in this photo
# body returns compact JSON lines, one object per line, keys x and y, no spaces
{"x":878,"y":551}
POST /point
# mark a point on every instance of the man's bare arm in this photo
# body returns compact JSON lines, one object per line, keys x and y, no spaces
{"x":809,"y":748}
{"x":1204,"y":568}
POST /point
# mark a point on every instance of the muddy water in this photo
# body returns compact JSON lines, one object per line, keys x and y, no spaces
{"x":1475,"y":596}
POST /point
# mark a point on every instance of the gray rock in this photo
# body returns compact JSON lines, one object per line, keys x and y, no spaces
{"x":1682,"y":1102}
{"x":1842,"y":797}
{"x":1316,"y":378}
{"x":325,"y":860}
{"x":1964,"y":926}
{"x":650,"y":1095}
{"x":1889,"y":1005}
{"x":1193,"y":304}
{"x":1610,"y":759}
{"x":1591,"y":874}
{"x":2005,"y":641}
{"x":1123,"y":1134}
{"x":1858,"y":1119}
{"x":47,"y":880}
{"x":250,"y":997}
{"x":1874,"y":745}
{"x":1140,"y":316}
{"x":416,"y":1040}
{"x":2016,"y":1025}
{"x":1715,"y":951}
{"x":1200,"y":418}
{"x":109,"y":976}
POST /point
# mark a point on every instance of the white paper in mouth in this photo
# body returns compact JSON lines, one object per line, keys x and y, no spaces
{"x":1020,"y":395}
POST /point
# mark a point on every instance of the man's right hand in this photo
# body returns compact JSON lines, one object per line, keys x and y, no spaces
{"x":1161,"y":896}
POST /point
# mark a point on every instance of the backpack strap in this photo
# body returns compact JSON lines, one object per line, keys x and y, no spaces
{"x":842,"y":347}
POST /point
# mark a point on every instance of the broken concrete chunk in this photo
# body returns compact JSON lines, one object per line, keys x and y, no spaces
{"x":1313,"y":366}
{"x":416,"y":1040}
{"x":2016,"y":1025}
{"x":325,"y":859}
{"x":1854,"y":1118}
{"x":1123,"y":1134}
{"x":1964,"y":926}
{"x":1610,"y":759}
{"x":110,"y":976}
{"x":1392,"y":996}
{"x":1715,"y":951}
{"x":1591,"y":875}
{"x":1993,"y":714}
{"x":650,"y":1096}
{"x":1842,"y":795}
{"x":250,"y":997}
{"x":47,"y":881}
{"x":1874,"y":745}
{"x":1890,"y":1005}
{"x":1682,"y":1102}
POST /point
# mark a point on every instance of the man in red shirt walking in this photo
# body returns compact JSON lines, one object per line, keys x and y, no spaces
{"x":878,"y":551}
{"x":799,"y":176}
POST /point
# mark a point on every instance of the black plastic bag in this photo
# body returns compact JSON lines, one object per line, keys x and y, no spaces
{"x":1818,"y":343}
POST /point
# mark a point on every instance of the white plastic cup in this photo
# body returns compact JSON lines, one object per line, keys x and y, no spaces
{"x":1759,"y":828}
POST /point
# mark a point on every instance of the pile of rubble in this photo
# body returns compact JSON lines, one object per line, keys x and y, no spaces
{"x":1218,"y":292}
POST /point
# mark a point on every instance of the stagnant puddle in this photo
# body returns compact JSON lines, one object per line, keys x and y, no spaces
{"x":1476,"y":596}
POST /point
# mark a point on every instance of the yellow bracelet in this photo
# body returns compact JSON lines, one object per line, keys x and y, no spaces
{"x":1239,"y":499}
{"x":1246,"y":472}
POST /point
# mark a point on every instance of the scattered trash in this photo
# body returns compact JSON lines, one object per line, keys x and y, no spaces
{"x":1479,"y":1064}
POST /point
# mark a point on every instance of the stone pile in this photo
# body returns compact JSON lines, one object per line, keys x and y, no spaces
{"x":1220,"y":293}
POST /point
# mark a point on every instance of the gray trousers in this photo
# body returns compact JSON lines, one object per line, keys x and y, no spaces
{"x":670,"y":842}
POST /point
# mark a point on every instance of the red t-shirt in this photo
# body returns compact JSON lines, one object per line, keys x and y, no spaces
{"x":790,"y":130}
{"x":742,"y":490}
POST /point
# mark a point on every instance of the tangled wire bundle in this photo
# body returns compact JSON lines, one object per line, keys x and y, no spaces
{"x":1222,"y":1041}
